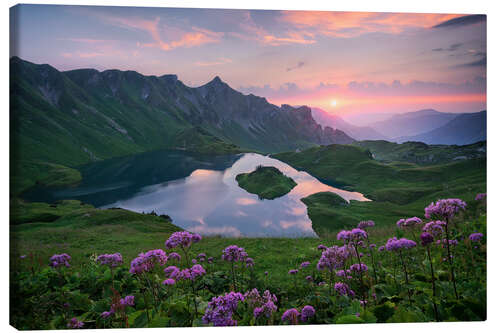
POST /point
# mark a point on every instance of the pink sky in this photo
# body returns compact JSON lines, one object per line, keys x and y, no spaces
{"x":365,"y":62}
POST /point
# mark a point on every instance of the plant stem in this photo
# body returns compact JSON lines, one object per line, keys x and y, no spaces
{"x":433,"y":284}
{"x":450,"y":262}
{"x":406,"y":275}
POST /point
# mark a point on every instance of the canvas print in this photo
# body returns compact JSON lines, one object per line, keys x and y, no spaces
{"x":214,"y":167}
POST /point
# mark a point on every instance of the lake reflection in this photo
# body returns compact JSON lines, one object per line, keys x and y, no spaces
{"x":211,"y":202}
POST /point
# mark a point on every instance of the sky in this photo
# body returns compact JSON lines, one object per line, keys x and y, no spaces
{"x":347,"y":63}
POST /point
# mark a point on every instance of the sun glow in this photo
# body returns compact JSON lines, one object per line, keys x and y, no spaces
{"x":333,"y":103}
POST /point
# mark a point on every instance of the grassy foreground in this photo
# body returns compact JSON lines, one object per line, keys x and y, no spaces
{"x":267,"y":182}
{"x":44,"y":297}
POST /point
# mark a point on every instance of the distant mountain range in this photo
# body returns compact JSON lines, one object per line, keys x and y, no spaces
{"x":464,"y":129}
{"x":357,"y":132}
{"x":412,"y":123}
{"x":74,"y":117}
{"x":428,"y":126}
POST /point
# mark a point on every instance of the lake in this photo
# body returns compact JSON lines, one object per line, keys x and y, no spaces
{"x":198,"y":191}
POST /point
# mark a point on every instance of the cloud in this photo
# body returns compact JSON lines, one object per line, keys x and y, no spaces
{"x":352,"y":24}
{"x":477,"y":63}
{"x":195,"y":37}
{"x":299,"y":65}
{"x":367,"y":88}
{"x":88,"y":40}
{"x":220,"y":61}
{"x":461,"y":21}
{"x":251,"y":31}
{"x":79,"y":54}
{"x":451,"y":48}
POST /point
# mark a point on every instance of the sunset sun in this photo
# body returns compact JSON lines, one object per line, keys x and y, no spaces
{"x":333,"y":103}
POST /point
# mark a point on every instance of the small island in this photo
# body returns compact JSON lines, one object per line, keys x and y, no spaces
{"x":267,"y":182}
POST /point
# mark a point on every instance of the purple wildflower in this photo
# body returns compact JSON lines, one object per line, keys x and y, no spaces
{"x":127,"y":301}
{"x":359,"y":268}
{"x":341,"y":288}
{"x":168,"y":282}
{"x":233,"y":253}
{"x":344,"y":235}
{"x":146,"y":262}
{"x":249,"y":262}
{"x":305,"y":264}
{"x":184,"y":239}
{"x":476,"y":237}
{"x":172,"y":272}
{"x":201,"y":257}
{"x":293,"y":271}
{"x":220,"y":309}
{"x":409,"y":222}
{"x":309,"y":278}
{"x":333,"y":258}
{"x":444,"y":208}
{"x":366,"y":224}
{"x":75,"y":323}
{"x":357,"y":234}
{"x":321,"y":247}
{"x":480,"y":196}
{"x":174,"y":256}
{"x":58,"y":260}
{"x":436,"y":228}
{"x":291,"y":316}
{"x":107,"y":314}
{"x":426,"y":238}
{"x":111,"y":260}
{"x":307,"y":313}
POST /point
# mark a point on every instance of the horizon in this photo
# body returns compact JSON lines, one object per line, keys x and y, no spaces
{"x":422,"y":61}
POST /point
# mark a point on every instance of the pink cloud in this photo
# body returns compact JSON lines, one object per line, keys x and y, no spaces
{"x":352,"y":24}
{"x":257,"y":33}
{"x":193,"y":38}
{"x":220,"y":61}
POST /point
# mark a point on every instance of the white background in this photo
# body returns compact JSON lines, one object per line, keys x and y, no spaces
{"x":491,"y":8}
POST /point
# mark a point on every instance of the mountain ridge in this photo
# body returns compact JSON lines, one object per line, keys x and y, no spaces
{"x":79,"y":116}
{"x":466,"y":128}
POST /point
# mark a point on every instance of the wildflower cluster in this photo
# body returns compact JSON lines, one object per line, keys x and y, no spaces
{"x":183,"y":239}
{"x":263,"y":305}
{"x":220,"y":309}
{"x":58,"y":260}
{"x":111,"y":260}
{"x":409,"y":222}
{"x":146,"y":262}
{"x":292,"y":316}
{"x":444,"y":208}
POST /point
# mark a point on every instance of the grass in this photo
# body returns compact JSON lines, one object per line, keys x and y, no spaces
{"x":28,"y":174}
{"x":421,"y":153}
{"x":398,"y":189}
{"x":267,"y":182}
{"x":83,"y":230}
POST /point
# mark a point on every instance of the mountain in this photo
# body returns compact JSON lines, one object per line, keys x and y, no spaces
{"x":83,"y":115}
{"x":74,"y":117}
{"x":356,"y":132}
{"x":412,"y":123}
{"x":465,"y":129}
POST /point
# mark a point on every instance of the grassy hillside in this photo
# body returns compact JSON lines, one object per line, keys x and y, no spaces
{"x":267,"y":182}
{"x":397,"y":189}
{"x":421,"y":153}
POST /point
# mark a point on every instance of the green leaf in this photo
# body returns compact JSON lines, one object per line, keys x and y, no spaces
{"x":138,"y":319}
{"x":349,"y":319}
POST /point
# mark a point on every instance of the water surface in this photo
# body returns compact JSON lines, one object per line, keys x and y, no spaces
{"x":199,"y":192}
